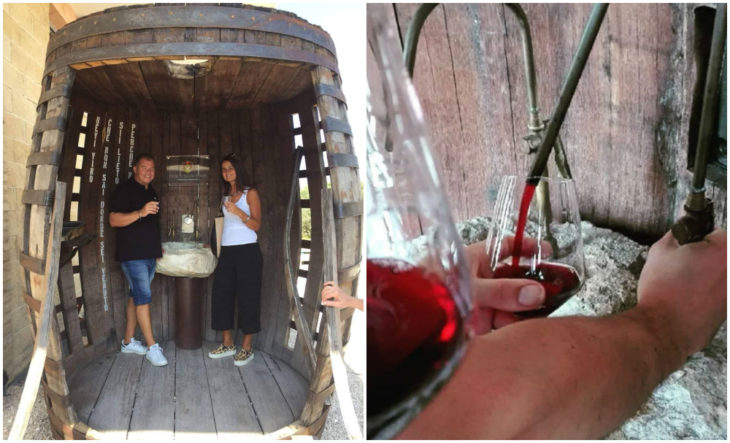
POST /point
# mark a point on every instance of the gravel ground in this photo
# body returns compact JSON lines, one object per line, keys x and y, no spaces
{"x":334,"y":428}
{"x":39,"y":427}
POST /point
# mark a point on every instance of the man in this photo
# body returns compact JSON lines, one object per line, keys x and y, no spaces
{"x":579,"y":377}
{"x":134,"y":208}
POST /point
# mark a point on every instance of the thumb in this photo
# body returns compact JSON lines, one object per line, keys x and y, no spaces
{"x":508,"y":294}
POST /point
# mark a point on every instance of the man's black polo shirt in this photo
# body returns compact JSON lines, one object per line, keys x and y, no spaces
{"x":141,"y":239}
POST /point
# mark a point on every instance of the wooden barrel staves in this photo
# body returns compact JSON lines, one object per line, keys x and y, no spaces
{"x":191,"y":81}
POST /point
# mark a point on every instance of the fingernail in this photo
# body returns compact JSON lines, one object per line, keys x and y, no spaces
{"x":530,"y":295}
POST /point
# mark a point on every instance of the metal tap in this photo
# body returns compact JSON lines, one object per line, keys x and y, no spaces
{"x":699,"y":218}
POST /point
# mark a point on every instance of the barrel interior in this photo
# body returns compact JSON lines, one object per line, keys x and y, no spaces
{"x":257,"y":109}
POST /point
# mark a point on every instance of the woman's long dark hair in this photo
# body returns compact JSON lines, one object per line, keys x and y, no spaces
{"x":242,"y":182}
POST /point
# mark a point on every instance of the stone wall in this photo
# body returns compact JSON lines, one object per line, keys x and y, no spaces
{"x":25,"y":37}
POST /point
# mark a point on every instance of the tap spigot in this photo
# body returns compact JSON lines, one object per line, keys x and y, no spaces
{"x":171,"y":233}
{"x":695,"y":225}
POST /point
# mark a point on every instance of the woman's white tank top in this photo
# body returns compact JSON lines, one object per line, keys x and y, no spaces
{"x":235,"y":232}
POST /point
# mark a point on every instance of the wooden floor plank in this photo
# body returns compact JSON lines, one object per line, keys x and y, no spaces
{"x":194,"y":397}
{"x":86,"y":384}
{"x":113,"y":410}
{"x":292,"y":384}
{"x":269,"y":402}
{"x":193,"y":408}
{"x":234,"y":418}
{"x":154,"y":408}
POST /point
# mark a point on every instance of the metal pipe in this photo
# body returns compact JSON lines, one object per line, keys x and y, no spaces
{"x":698,"y":220}
{"x":568,"y":89}
{"x":410,"y":44}
{"x":534,"y":123}
{"x":708,"y":119}
{"x":561,"y":160}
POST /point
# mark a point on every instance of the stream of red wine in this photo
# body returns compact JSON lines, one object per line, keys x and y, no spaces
{"x":522,"y":222}
{"x":559,"y":281}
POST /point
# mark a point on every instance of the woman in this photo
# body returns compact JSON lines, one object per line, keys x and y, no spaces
{"x":238,"y":274}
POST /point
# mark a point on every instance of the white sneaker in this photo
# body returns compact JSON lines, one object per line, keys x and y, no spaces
{"x":155,"y":355}
{"x":134,"y":347}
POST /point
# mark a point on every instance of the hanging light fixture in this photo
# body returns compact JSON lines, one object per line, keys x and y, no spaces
{"x":188,"y":68}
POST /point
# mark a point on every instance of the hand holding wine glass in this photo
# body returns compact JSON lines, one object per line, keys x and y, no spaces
{"x":547,"y":245}
{"x":151,"y":207}
{"x":496,"y":300}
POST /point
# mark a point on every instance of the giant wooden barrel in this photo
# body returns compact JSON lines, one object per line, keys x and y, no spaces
{"x":269,"y":83}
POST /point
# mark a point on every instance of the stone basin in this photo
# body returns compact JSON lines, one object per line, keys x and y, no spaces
{"x":186,"y":259}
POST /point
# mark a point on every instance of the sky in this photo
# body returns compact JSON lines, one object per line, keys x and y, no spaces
{"x":345,"y":22}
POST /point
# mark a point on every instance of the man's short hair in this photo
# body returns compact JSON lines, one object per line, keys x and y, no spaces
{"x":142,"y":156}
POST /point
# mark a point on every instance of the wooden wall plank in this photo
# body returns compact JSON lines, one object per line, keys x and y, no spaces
{"x":225,"y":142}
{"x":70,"y":314}
{"x":117,"y":287}
{"x":97,"y":304}
{"x":277,"y":162}
{"x":626,"y":125}
{"x":473,"y":97}
{"x":313,"y":156}
{"x":68,"y":157}
{"x":214,"y":192}
{"x":117,"y":158}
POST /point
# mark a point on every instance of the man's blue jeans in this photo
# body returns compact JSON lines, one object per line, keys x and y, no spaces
{"x":139,"y":275}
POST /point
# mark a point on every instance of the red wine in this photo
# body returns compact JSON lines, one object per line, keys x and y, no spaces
{"x":559,"y":281}
{"x":413,"y":328}
{"x":522,"y":221}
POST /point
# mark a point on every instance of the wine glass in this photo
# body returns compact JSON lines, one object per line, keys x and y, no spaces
{"x":551,"y":250}
{"x":417,"y":278}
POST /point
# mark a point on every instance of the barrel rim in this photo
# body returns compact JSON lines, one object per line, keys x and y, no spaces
{"x":155,"y":16}
{"x":195,"y":49}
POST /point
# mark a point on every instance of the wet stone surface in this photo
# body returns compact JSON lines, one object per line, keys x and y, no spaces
{"x":691,"y":403}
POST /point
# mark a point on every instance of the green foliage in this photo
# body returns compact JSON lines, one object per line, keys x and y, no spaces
{"x":306,"y":215}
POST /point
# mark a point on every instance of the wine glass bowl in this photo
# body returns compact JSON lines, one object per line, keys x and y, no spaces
{"x":548,"y":248}
{"x":418,"y":289}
